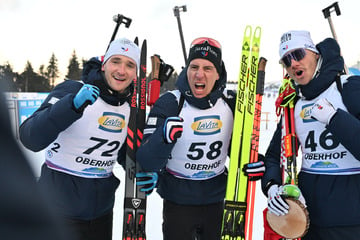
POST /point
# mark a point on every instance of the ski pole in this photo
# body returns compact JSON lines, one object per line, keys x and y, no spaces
{"x":327,"y":14}
{"x":177,"y":15}
{"x":292,"y":145}
{"x":284,"y":106}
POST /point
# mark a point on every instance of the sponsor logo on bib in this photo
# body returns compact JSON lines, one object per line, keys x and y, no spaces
{"x":111,"y":122}
{"x":306,"y":112}
{"x":206,"y":125}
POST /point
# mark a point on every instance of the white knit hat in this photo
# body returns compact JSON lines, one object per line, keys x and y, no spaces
{"x":123,"y":47}
{"x":296,"y":39}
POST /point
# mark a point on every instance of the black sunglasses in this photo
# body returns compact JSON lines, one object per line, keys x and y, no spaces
{"x":297,"y":55}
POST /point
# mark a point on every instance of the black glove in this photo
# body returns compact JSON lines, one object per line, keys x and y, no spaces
{"x":255,"y":170}
{"x":173,"y":129}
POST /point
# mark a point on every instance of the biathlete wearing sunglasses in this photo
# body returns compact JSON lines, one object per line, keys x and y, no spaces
{"x":296,"y":55}
{"x":327,"y":114}
{"x":186,"y":140}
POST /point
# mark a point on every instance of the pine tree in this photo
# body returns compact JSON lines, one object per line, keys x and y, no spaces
{"x":30,"y":81}
{"x":42,"y":71}
{"x":25,"y":77}
{"x":8,"y":78}
{"x":52,"y":70}
{"x":74,"y":70}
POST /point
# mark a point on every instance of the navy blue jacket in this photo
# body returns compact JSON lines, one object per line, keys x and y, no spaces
{"x":332,"y":200}
{"x":154,"y":152}
{"x":76,"y":197}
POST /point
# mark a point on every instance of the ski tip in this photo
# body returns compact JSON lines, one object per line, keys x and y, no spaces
{"x":257,"y":32}
{"x":248,"y":30}
{"x":136,"y":40}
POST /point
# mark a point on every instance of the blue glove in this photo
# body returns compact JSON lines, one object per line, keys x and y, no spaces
{"x":147,"y":181}
{"x":173,"y":129}
{"x":86,"y":95}
{"x":255,"y":170}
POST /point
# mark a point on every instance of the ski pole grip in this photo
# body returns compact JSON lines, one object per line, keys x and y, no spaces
{"x":155,"y":65}
{"x":154,"y":84}
{"x":261,"y":76}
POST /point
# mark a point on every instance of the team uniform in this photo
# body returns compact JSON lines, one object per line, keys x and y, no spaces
{"x":329,"y":177}
{"x":192,"y":172}
{"x":81,"y":150}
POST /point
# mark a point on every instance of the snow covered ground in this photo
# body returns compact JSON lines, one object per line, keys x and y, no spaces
{"x":154,"y":204}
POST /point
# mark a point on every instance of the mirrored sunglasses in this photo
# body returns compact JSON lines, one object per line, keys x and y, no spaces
{"x":297,"y":55}
{"x":201,"y":40}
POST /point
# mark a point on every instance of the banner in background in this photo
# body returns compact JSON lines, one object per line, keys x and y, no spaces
{"x":26,"y":103}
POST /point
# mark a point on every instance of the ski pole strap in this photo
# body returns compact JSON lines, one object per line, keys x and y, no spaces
{"x":287,"y":94}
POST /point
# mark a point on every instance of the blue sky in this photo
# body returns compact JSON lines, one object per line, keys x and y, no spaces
{"x":34,"y":29}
